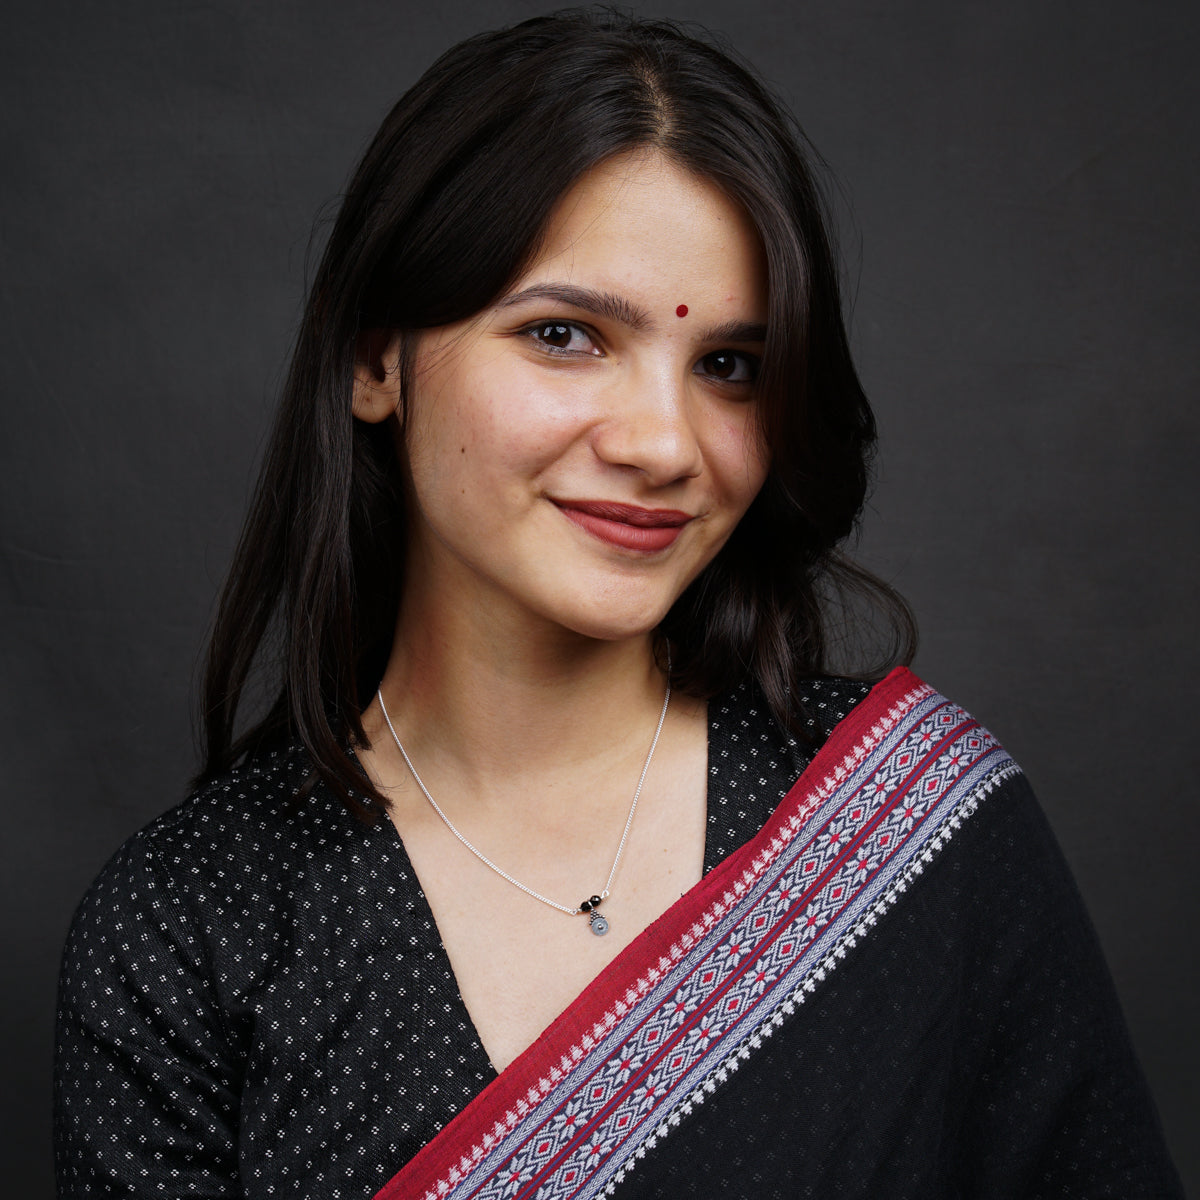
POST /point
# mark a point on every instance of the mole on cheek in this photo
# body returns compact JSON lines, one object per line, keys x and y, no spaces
{"x":681,"y":311}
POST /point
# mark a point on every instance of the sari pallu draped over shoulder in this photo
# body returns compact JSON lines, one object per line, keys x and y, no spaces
{"x":708,"y":988}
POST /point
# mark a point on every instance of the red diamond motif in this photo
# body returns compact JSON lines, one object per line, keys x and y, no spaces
{"x":652,"y":1036}
{"x":708,"y":977}
{"x":598,"y":1092}
{"x":543,"y":1148}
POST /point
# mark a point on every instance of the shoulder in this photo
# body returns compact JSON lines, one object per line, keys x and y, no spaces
{"x":222,"y":821}
{"x":234,"y":845}
{"x":819,"y":703}
{"x":825,"y":701}
{"x":924,"y":759}
{"x":238,"y":878}
{"x":950,"y":771}
{"x":948,"y":822}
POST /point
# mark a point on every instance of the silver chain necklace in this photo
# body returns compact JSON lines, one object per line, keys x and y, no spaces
{"x":591,"y":906}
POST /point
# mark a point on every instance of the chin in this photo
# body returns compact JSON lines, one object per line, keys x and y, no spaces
{"x":600,"y":630}
{"x":614,"y":623}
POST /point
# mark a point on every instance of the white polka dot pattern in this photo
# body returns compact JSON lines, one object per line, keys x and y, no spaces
{"x":255,"y":1000}
{"x":752,"y":762}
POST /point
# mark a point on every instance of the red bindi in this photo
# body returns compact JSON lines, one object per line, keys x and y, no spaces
{"x":681,"y":311}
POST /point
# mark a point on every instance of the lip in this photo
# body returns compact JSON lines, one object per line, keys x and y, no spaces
{"x":626,"y":525}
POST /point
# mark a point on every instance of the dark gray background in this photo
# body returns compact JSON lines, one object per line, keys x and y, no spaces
{"x":1023,"y":256}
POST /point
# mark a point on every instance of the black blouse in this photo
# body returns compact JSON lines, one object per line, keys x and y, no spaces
{"x":255,"y":1001}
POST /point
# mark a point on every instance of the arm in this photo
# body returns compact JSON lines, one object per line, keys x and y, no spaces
{"x":1059,"y":1106}
{"x":146,"y":1080}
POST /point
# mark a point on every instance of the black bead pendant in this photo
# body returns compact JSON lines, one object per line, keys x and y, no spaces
{"x":588,"y":905}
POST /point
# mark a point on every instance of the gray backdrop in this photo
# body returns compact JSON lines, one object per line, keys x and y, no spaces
{"x":1021,"y":182}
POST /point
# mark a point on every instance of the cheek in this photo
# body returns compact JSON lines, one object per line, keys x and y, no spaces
{"x":740,"y":460}
{"x":514,"y":424}
{"x":482,"y":443}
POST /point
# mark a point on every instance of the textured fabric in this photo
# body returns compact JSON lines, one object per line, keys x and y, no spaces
{"x":255,"y":1001}
{"x":970,"y":1047}
{"x":977,"y":1052}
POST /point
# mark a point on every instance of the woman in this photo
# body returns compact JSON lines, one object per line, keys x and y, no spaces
{"x":559,"y":836}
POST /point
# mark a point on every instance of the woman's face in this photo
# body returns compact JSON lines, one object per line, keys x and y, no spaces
{"x":580,"y":450}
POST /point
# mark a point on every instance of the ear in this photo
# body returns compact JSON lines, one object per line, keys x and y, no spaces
{"x":377,"y":383}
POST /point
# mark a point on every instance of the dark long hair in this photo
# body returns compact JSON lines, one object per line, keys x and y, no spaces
{"x":443,"y":213}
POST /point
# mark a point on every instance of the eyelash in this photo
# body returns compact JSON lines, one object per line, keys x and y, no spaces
{"x":750,"y":361}
{"x":534,"y":332}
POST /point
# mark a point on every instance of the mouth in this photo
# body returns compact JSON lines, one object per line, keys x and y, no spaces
{"x":626,"y":525}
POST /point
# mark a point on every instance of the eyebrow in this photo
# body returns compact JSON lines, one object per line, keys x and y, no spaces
{"x":600,"y":304}
{"x":735,"y":331}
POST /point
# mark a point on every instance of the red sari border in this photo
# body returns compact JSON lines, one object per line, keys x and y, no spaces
{"x":697,"y":991}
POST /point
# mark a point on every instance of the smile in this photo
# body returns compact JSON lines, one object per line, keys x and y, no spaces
{"x":626,"y":525}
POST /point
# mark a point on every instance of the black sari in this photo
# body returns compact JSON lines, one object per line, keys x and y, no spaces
{"x":891,"y":991}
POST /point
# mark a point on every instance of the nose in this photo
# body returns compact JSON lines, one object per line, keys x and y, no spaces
{"x":649,"y":424}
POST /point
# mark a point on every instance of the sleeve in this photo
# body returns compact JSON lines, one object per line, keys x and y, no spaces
{"x":146,"y":1079}
{"x":1058,"y":1106}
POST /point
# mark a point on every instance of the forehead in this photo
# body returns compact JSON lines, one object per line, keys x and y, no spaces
{"x":639,"y":221}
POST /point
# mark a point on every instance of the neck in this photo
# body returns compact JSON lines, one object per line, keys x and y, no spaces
{"x":503,"y":713}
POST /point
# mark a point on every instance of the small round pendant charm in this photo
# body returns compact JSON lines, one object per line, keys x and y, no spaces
{"x":599,"y":924}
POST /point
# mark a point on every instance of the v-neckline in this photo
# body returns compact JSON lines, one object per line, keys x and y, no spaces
{"x":472,"y":1060}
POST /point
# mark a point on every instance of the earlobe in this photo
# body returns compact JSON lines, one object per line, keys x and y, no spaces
{"x":377,"y":375}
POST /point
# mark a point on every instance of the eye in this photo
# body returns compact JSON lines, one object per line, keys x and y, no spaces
{"x":561,"y":337}
{"x":728,"y":366}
